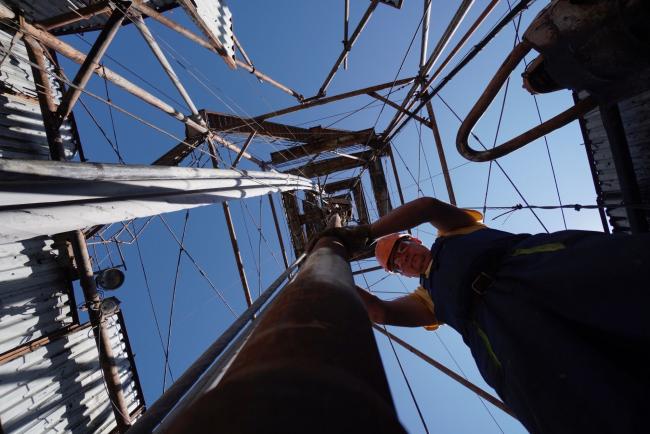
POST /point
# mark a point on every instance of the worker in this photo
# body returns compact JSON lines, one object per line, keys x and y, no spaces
{"x":557,"y":323}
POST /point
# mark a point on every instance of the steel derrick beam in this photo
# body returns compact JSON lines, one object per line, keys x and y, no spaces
{"x":321,"y":101}
{"x":91,"y":61}
{"x":231,"y":232}
{"x":155,"y":15}
{"x":48,"y":197}
{"x":425,"y":68}
{"x":76,"y":56}
{"x":76,"y":15}
{"x":324,"y":167}
{"x":167,"y":67}
{"x":365,"y":137}
{"x":317,"y":318}
{"x":442,"y":368}
{"x":348,"y":44}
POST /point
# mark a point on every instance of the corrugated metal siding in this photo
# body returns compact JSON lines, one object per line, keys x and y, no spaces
{"x":22,"y":133}
{"x":38,"y":10}
{"x":34,"y":299}
{"x":635,"y":113}
{"x":59,"y":387}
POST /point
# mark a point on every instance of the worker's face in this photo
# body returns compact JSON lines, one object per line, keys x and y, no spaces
{"x":410,"y":258}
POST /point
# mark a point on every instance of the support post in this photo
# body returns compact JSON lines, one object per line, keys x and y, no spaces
{"x":167,"y":67}
{"x":441,"y":153}
{"x":106,"y":357}
{"x":348,"y":46}
{"x":451,"y":374}
{"x":45,"y":98}
{"x":379,"y":186}
{"x":318,"y":352}
{"x":76,"y":56}
{"x":231,"y":232}
{"x":243,"y":149}
{"x":277,"y":230}
{"x":91,"y":61}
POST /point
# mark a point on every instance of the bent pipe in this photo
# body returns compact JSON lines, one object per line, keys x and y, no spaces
{"x":523,"y":139}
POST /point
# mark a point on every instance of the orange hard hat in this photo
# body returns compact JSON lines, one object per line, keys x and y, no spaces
{"x":385,"y":246}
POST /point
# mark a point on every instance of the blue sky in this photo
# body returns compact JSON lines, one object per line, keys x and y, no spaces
{"x":296,"y":42}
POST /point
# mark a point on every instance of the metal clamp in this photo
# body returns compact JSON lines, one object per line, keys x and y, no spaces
{"x":488,"y":96}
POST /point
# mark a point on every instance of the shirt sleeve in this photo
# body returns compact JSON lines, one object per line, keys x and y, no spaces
{"x":477,"y":225}
{"x":421,"y":295}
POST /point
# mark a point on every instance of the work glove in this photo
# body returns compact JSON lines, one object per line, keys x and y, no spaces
{"x":354,"y":238}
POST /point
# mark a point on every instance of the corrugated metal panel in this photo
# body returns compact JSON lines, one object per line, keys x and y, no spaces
{"x":39,"y":10}
{"x":59,"y":387}
{"x":22,"y":133}
{"x":34,"y":299}
{"x":635,"y":113}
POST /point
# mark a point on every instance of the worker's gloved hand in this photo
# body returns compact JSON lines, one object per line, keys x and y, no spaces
{"x":355,"y":238}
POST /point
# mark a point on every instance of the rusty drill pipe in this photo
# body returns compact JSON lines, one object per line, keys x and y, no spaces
{"x":311,"y":365}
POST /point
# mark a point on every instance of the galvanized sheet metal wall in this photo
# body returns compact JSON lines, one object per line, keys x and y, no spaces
{"x":635,"y":113}
{"x":38,"y":10}
{"x":34,"y":299}
{"x":59,"y":387}
{"x":22,"y":133}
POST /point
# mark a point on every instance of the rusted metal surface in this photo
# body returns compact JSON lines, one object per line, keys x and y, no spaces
{"x":558,"y":121}
{"x":433,"y":124}
{"x":248,"y":142}
{"x":348,"y":46}
{"x":451,"y":374}
{"x":379,"y":186}
{"x":81,"y":14}
{"x":107,"y":359}
{"x":91,"y":61}
{"x":344,"y":184}
{"x":331,"y":165}
{"x":33,"y":345}
{"x":163,"y":406}
{"x":318,"y":352}
{"x":360,"y":204}
{"x":178,"y":153}
{"x":45,"y":99}
{"x":398,"y":107}
{"x":598,"y":46}
{"x":320,"y":101}
{"x":76,"y":56}
{"x":322,"y":144}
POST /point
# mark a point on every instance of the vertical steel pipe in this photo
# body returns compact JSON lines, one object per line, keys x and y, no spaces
{"x":311,"y":364}
{"x":106,"y":357}
{"x":159,"y":409}
{"x":346,"y":25}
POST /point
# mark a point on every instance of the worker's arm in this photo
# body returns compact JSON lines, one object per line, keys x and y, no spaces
{"x":442,"y":215}
{"x":404,"y":311}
